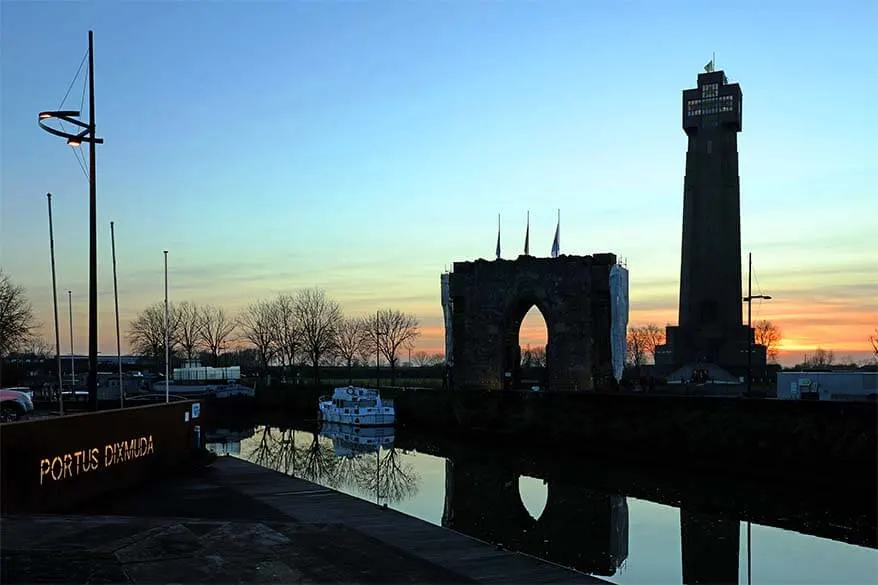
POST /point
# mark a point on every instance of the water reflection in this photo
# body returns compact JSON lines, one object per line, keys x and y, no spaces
{"x":227,"y":441}
{"x":366,"y":462}
{"x":581,"y":514}
{"x":710,"y":546}
{"x":579,"y":527}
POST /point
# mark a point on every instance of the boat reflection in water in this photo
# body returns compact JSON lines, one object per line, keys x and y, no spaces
{"x":360,"y":461}
{"x":580,"y":513}
{"x":348,"y":441}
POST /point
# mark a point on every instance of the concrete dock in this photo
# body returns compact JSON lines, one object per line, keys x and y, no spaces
{"x":237,"y":522}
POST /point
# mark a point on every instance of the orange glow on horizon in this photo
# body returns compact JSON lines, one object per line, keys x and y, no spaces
{"x":805,"y":328}
{"x":834,"y":325}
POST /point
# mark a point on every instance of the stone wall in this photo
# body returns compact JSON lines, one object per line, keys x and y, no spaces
{"x":54,"y":464}
{"x":490,"y":299}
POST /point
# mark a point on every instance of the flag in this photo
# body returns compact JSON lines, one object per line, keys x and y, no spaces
{"x":527,"y":237}
{"x":498,"y":236}
{"x":556,"y":245}
{"x":709,"y":67}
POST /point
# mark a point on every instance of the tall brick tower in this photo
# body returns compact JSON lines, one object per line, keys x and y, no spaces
{"x":710,"y":328}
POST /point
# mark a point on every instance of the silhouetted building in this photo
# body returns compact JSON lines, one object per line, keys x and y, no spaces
{"x":710,"y":327}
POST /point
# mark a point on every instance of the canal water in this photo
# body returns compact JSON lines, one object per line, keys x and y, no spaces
{"x":576,"y":519}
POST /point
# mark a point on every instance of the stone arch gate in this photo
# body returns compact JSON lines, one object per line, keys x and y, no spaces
{"x":485,"y":301}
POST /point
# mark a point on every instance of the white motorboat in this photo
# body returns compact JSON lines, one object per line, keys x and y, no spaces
{"x":352,"y":405}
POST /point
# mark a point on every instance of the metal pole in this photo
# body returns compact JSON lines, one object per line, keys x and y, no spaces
{"x":377,"y":350}
{"x":93,"y":239}
{"x":167,"y":334}
{"x":116,"y":295}
{"x":749,"y":316}
{"x":72,"y":358}
{"x":55,"y":304}
{"x":749,"y":559}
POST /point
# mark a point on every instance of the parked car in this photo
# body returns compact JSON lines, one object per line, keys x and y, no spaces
{"x":15,"y":404}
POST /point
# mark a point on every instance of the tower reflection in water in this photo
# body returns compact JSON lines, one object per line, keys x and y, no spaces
{"x":580,"y":527}
{"x":710,"y":546}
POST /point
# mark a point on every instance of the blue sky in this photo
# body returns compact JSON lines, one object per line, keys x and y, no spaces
{"x":365,"y":146}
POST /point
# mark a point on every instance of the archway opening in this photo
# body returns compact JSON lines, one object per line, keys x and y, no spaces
{"x":534,"y":495}
{"x":533,"y":339}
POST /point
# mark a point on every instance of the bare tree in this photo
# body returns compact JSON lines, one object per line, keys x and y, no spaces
{"x":768,"y":334}
{"x":351,"y":336}
{"x":393,"y":329}
{"x":635,"y":349}
{"x":650,"y":336}
{"x":318,"y":317}
{"x":642,"y":342}
{"x":873,"y":339}
{"x":216,"y":331}
{"x":368,"y":353}
{"x":146,"y":333}
{"x":17,"y":321}
{"x":188,"y":330}
{"x":317,"y":461}
{"x":289,"y":333}
{"x":257,"y":324}
{"x":821,"y":358}
{"x":533,"y":358}
{"x":422,"y":359}
{"x":39,"y":348}
{"x":437,"y":358}
{"x":387,"y":475}
{"x":538,"y":355}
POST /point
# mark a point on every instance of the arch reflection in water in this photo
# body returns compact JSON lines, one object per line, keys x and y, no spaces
{"x":368,"y":465}
{"x":534,"y":494}
{"x":579,"y":528}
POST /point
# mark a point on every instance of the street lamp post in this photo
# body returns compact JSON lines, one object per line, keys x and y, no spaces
{"x":86,"y":135}
{"x":749,"y":300}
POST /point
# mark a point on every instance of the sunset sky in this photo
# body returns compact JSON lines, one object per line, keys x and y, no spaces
{"x":365,"y":146}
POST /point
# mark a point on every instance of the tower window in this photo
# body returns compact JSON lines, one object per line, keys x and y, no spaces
{"x":710,"y":90}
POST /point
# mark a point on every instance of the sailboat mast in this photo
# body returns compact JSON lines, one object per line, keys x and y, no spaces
{"x":116,"y":296}
{"x":167,"y":335}
{"x":55,"y":305}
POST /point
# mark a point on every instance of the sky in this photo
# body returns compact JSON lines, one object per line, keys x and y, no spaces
{"x":364,"y":147}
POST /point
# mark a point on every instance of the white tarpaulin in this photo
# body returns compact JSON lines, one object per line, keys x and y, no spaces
{"x":446,"y":311}
{"x":619,"y":314}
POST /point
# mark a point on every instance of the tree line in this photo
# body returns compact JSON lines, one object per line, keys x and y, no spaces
{"x":643,"y":340}
{"x":305,"y":327}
